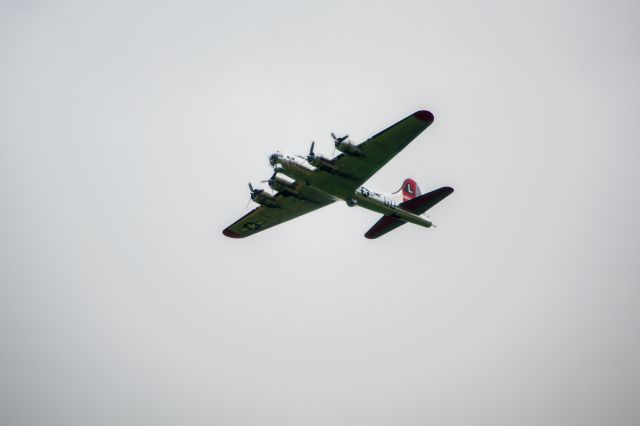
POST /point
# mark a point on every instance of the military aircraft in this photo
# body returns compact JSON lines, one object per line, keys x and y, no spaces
{"x":306,"y":183}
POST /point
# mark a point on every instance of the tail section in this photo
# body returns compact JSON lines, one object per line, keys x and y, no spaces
{"x":408,"y":191}
{"x":416,"y":205}
{"x":421,"y":204}
{"x":386,"y":224}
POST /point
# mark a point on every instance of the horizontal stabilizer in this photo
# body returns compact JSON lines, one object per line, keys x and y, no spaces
{"x":417,"y":205}
{"x":424,"y":202}
{"x":385,"y":224}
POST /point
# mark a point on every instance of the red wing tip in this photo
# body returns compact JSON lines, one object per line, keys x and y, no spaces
{"x":425,"y":116}
{"x":229,"y":233}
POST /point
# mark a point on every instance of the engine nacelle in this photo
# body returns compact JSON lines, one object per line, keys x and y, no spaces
{"x":349,"y":148}
{"x":321,"y":162}
{"x":280,"y":184}
{"x":263,"y":198}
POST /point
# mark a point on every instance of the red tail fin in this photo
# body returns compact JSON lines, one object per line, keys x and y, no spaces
{"x":410,"y":190}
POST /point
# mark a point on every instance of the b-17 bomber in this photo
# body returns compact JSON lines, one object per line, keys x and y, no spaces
{"x":304,"y":183}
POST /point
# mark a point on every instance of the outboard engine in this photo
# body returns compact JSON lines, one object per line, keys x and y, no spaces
{"x":263,"y":198}
{"x":345,"y":145}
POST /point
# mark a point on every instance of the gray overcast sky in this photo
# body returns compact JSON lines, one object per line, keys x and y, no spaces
{"x":129,"y":131}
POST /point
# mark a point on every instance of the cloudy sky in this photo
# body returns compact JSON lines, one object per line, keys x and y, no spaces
{"x":129,"y":131}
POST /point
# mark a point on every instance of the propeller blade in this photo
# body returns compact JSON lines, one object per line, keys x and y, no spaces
{"x":273,"y":176}
{"x":313,"y":143}
{"x":338,"y":140}
{"x":250,"y":195}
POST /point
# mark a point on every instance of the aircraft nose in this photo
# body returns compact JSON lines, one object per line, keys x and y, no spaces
{"x":273,"y":159}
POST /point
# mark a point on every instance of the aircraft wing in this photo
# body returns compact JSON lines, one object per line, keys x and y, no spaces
{"x":261,"y":218}
{"x":380,"y":148}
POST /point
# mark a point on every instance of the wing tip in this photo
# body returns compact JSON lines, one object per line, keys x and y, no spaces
{"x":231,"y":234}
{"x":425,"y":116}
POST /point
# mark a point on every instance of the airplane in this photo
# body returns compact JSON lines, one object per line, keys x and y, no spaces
{"x":306,"y":183}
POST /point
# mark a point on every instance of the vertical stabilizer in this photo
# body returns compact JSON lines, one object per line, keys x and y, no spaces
{"x":408,"y":191}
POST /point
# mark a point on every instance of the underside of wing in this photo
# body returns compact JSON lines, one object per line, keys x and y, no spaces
{"x":376,"y":151}
{"x":288,"y":207}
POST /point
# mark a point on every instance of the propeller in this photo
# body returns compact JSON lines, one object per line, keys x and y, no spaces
{"x":337,"y":141}
{"x":253,"y":193}
{"x":270,"y":181}
{"x":250,"y":197}
{"x":311,"y":155}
